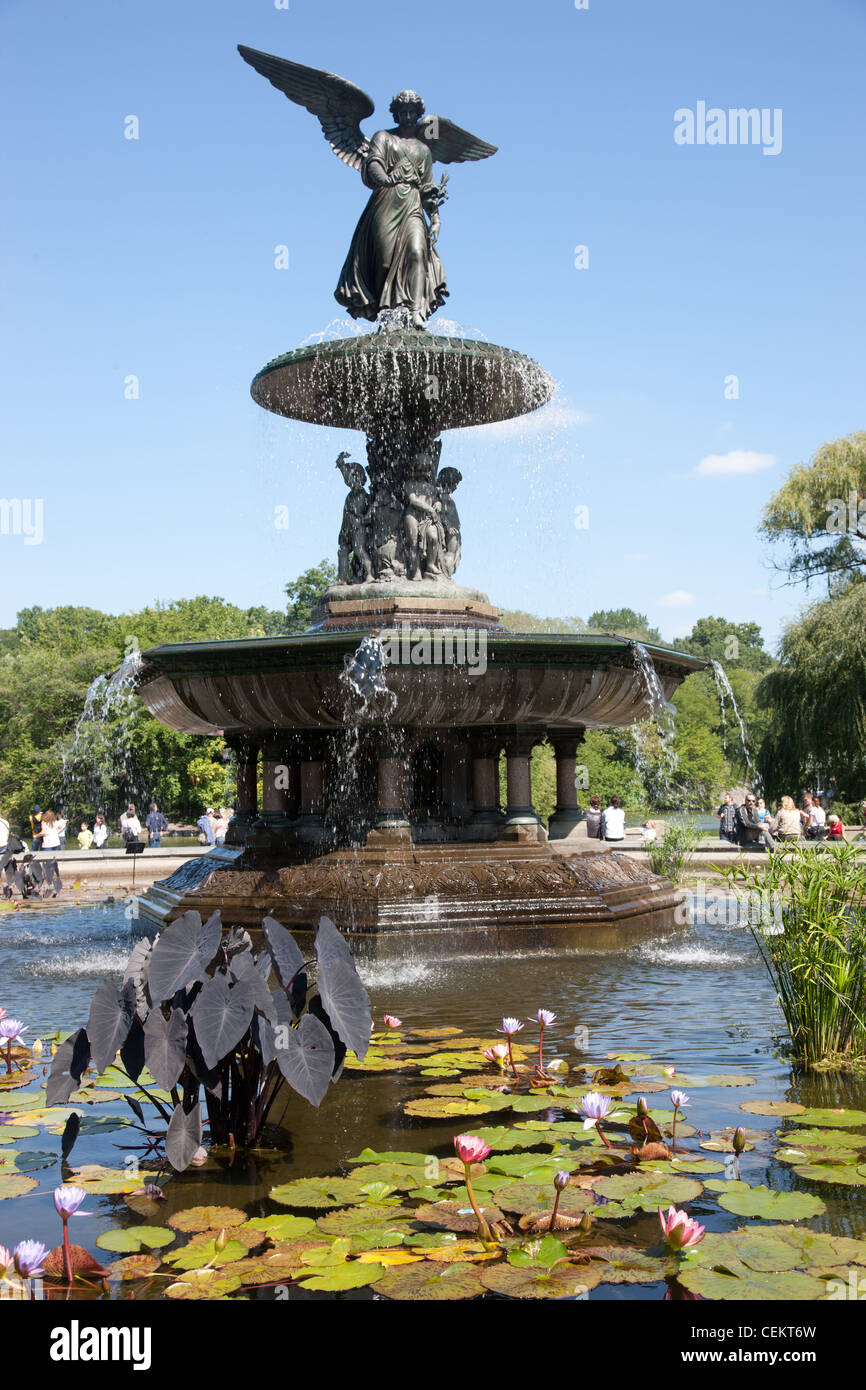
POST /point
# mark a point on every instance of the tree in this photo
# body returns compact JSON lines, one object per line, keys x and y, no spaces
{"x":815,"y":700}
{"x":305,"y":592}
{"x":734,"y":645}
{"x":625,"y":622}
{"x":820,"y":513}
{"x":516,"y":620}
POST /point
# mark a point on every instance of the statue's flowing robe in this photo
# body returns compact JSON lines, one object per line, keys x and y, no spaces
{"x":374,"y":275}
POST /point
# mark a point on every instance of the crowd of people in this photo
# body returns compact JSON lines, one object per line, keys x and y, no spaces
{"x":751,"y":824}
{"x":48,"y":829}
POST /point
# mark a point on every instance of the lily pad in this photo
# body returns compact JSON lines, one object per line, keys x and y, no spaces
{"x":317,"y":1192}
{"x":207,"y":1218}
{"x":682,"y":1164}
{"x":623,"y":1264}
{"x":338,"y":1278}
{"x":131,"y":1239}
{"x":845,"y":1174}
{"x":365,"y":1219}
{"x":9,"y":1133}
{"x":526,"y":1197}
{"x":283,"y":1226}
{"x":772,"y":1107}
{"x":744,"y":1200}
{"x":134,"y":1267}
{"x":204,"y":1283}
{"x":106,"y":1181}
{"x":824,"y":1139}
{"x":646,"y":1191}
{"x":31,"y":1160}
{"x":833,"y":1119}
{"x":451,"y":1108}
{"x":535,"y":1167}
{"x":396,"y":1156}
{"x":751,"y":1286}
{"x":456,"y":1215}
{"x":197,"y":1256}
{"x":445,"y":1031}
{"x":563,"y":1281}
{"x":431,"y":1281}
{"x":15,"y":1185}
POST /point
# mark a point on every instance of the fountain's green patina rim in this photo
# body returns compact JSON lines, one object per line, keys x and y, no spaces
{"x":307,"y":651}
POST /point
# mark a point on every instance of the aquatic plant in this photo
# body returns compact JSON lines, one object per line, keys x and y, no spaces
{"x":671,"y":856}
{"x":10,"y":1032}
{"x":470,"y":1149}
{"x":67,"y":1201}
{"x":595,"y":1107}
{"x":544,"y":1018}
{"x":195,"y":1009}
{"x":814,"y":943}
{"x":511,"y":1026}
{"x":679,"y":1099}
{"x":681,"y":1232}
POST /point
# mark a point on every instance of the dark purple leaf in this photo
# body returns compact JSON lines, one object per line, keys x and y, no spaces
{"x":132,"y":1052}
{"x":182,"y":954}
{"x":183,"y":1137}
{"x":67,"y":1069}
{"x":285,"y":952}
{"x":222,"y":1013}
{"x":243,"y":967}
{"x":305,"y":1056}
{"x":165,"y":1046}
{"x":111,"y":1015}
{"x":346,"y":1002}
{"x":69,"y":1136}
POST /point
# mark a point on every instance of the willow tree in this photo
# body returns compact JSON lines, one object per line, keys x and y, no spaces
{"x":819,"y":514}
{"x":816,"y":699}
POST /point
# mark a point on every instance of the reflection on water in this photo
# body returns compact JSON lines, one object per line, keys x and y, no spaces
{"x":701,"y":1001}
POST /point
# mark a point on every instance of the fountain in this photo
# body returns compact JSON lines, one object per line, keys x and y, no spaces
{"x":380,"y":730}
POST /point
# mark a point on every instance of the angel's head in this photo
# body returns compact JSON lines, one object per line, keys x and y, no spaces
{"x":407,"y":108}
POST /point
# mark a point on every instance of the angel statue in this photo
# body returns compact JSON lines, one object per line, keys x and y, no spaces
{"x":392,"y":261}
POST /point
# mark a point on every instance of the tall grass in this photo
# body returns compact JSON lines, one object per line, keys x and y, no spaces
{"x":671,"y":855}
{"x":813,"y":943}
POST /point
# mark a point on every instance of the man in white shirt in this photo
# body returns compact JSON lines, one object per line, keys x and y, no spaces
{"x":613,"y":820}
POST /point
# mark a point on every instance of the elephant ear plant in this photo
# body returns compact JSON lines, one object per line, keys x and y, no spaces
{"x":196,"y":1008}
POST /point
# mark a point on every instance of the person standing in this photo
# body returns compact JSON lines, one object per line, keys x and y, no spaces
{"x":156,"y":823}
{"x":85,"y":836}
{"x":60,"y":826}
{"x":727,"y":814}
{"x":48,"y":836}
{"x":221,"y":825}
{"x":35,"y":828}
{"x":613,"y":820}
{"x":100,"y":831}
{"x":205,"y":828}
{"x":130,"y":825}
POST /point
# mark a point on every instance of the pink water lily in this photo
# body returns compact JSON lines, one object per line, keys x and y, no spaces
{"x":391,"y":1022}
{"x":497,"y":1053}
{"x":678,"y":1100}
{"x":679,"y":1229}
{"x":470,"y":1149}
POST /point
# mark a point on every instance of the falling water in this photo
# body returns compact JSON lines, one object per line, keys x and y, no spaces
{"x":663,"y":715}
{"x":723,"y":685}
{"x":99,"y":755}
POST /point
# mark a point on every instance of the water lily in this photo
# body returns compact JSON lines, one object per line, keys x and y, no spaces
{"x":391,"y":1022}
{"x":496,"y":1054}
{"x":595,"y":1107}
{"x":678,"y":1100}
{"x":10,"y":1032}
{"x":5,"y":1260}
{"x":738,"y":1141}
{"x":510,"y":1026}
{"x":470,"y":1149}
{"x":37,"y":1047}
{"x":558,"y":1065}
{"x":543,"y":1017}
{"x":28,"y":1256}
{"x":669,"y":1071}
{"x":679,"y":1229}
{"x":560,"y":1183}
{"x":67,"y":1200}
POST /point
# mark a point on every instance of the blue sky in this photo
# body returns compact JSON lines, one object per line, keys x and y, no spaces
{"x":154,"y":258}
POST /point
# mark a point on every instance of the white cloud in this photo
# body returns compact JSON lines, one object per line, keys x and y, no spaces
{"x":679,"y":598}
{"x":737,"y":462}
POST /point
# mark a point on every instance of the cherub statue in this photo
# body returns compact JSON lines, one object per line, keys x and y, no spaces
{"x":392,"y":261}
{"x":353,"y":561}
{"x":422,"y":519}
{"x":447,"y":481}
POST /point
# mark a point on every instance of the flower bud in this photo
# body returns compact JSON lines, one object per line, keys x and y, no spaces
{"x":221,"y":1241}
{"x":36,"y":1047}
{"x":560,"y":1180}
{"x":642,"y":1107}
{"x":739,"y":1140}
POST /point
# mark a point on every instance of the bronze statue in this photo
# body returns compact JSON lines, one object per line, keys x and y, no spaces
{"x":422,"y":519}
{"x":353,"y":561}
{"x":445,"y":484}
{"x":392,"y":261}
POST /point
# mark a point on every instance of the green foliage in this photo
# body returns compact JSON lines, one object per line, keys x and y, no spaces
{"x":304,"y":593}
{"x":815,"y":700}
{"x":812,"y":512}
{"x":817,"y":960}
{"x":625,"y":622}
{"x":671,"y":856}
{"x":735,"y":645}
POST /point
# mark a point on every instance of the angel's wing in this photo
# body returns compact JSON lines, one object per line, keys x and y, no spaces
{"x":339,"y":105}
{"x":451,"y":145}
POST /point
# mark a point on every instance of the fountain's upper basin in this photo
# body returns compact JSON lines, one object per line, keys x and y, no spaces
{"x":527,"y":680}
{"x":435,"y":381}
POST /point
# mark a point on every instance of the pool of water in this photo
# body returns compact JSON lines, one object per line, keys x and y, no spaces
{"x":699,"y":999}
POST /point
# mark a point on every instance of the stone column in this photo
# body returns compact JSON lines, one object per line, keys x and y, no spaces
{"x":390,"y":821}
{"x":567,"y":815}
{"x":246,"y":750}
{"x":280,"y":788}
{"x":521,"y":818}
{"x":485,"y":745}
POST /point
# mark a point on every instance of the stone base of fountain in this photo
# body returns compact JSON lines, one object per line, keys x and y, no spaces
{"x":392,"y":604}
{"x":509,"y":894}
